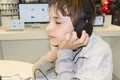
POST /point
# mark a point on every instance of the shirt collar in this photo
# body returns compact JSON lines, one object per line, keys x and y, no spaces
{"x":85,"y":49}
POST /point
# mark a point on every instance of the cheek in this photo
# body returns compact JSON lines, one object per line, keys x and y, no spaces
{"x":61,"y":32}
{"x":60,"y":35}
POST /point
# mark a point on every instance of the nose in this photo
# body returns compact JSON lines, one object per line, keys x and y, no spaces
{"x":49,"y":27}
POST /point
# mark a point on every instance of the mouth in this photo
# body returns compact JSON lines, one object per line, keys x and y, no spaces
{"x":50,"y":36}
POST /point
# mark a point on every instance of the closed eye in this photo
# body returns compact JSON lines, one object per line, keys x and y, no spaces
{"x":58,"y":22}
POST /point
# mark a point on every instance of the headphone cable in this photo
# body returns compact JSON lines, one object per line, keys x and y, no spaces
{"x":40,"y":72}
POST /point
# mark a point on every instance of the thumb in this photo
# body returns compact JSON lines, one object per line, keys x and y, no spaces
{"x":67,"y":37}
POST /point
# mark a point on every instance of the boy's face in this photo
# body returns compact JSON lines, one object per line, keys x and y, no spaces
{"x":58,"y":27}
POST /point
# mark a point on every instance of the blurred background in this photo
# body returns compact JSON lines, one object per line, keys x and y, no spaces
{"x":29,"y":44}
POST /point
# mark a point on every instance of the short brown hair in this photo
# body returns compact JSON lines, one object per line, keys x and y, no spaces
{"x":75,"y":9}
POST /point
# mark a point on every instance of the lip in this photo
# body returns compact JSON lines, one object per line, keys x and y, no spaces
{"x":50,"y":36}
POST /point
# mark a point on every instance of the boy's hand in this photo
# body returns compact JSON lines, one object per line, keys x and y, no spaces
{"x":73,"y":42}
{"x":70,"y":42}
{"x":51,"y":56}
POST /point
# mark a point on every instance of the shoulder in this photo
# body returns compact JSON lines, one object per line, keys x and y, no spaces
{"x":101,"y":46}
{"x":97,"y":46}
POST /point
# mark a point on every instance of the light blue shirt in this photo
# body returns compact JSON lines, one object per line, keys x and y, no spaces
{"x":93,"y":62}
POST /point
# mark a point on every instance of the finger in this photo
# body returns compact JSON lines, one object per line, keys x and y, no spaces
{"x":67,"y":37}
{"x":74,"y":36}
{"x":83,"y":37}
{"x":86,"y":40}
{"x":65,"y":41}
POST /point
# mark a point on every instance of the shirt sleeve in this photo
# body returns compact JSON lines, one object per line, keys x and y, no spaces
{"x":64,"y":64}
{"x":42,"y":67}
{"x":97,"y":66}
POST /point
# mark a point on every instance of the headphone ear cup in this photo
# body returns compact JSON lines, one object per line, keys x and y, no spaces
{"x":88,"y":28}
{"x":79,"y":27}
{"x":78,"y":30}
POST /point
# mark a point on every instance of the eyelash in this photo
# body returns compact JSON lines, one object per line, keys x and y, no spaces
{"x":58,"y":22}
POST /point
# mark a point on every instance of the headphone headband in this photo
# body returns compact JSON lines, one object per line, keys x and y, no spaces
{"x":88,"y":9}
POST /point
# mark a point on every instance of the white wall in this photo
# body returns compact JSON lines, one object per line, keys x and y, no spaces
{"x":1,"y":54}
{"x":114,"y":42}
{"x":115,"y":45}
{"x":27,"y":50}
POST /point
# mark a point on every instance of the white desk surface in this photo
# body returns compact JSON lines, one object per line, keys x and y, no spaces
{"x":41,"y":33}
{"x":15,"y":69}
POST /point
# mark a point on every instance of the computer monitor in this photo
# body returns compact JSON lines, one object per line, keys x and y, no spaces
{"x":34,"y":13}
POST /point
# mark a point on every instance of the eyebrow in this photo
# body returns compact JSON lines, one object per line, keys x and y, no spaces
{"x":56,"y":16}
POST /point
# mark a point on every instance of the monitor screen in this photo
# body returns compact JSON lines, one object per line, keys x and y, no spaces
{"x":34,"y":12}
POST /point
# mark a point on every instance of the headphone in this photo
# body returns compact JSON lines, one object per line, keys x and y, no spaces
{"x":84,"y":23}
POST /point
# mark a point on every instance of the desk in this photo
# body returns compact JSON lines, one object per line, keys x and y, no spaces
{"x":41,"y":33}
{"x":15,"y":68}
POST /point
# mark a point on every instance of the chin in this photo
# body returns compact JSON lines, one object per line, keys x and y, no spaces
{"x":54,"y":43}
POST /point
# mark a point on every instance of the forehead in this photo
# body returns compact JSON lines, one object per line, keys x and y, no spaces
{"x":54,"y":12}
